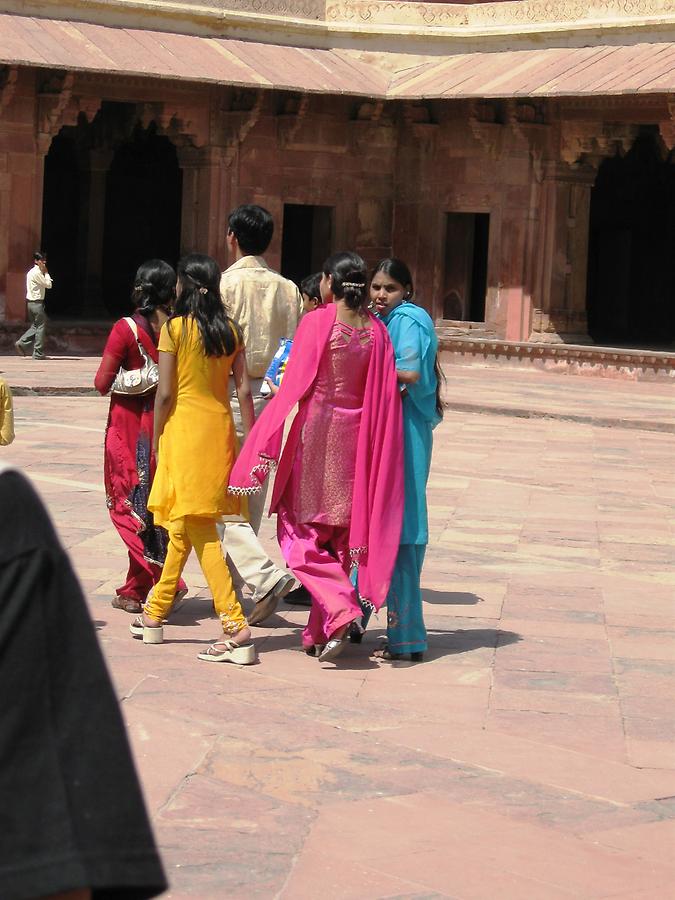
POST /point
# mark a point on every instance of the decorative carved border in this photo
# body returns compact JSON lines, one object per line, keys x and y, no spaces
{"x":310,"y":19}
{"x":302,"y":9}
{"x":496,"y":15}
{"x":636,"y":365}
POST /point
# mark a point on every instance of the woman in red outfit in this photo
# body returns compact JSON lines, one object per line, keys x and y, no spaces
{"x":129,"y":465}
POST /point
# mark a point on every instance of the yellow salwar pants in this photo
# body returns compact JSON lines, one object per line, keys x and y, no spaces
{"x":200,"y":533}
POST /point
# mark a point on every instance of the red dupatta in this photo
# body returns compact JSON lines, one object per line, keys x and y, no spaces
{"x":377,"y":503}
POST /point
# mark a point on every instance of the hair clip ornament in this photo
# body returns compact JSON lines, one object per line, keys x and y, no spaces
{"x":353,"y":284}
{"x":203,"y":290}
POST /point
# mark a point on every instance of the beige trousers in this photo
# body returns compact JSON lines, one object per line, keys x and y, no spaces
{"x":249,"y":563}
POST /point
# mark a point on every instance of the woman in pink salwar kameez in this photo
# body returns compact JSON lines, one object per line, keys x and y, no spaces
{"x":338,"y":492}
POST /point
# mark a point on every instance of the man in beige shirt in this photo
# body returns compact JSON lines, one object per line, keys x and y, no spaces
{"x":267,"y":308}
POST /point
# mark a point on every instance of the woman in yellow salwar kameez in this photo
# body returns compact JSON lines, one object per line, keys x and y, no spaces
{"x":195,"y":444}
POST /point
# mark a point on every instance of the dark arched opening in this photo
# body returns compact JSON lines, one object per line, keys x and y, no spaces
{"x":631,"y":264}
{"x":142,"y":212}
{"x":112,"y":198}
{"x":61,"y":224}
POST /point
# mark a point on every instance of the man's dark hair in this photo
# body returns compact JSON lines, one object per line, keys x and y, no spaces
{"x":38,"y":256}
{"x":310,"y":286}
{"x":253,"y":228}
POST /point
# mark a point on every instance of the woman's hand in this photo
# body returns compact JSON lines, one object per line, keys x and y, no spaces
{"x":407,"y":376}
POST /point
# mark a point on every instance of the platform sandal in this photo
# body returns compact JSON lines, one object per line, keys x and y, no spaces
{"x":151,"y":634}
{"x":229,"y":651}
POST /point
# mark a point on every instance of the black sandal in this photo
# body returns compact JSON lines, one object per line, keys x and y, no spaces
{"x":355,"y":634}
{"x":386,"y":654}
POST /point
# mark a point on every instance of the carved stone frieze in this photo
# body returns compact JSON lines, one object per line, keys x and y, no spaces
{"x":303,"y":9}
{"x":8,"y":80}
{"x":497,"y":14}
{"x":667,"y":126}
{"x":594,"y":141}
{"x":486,"y":125}
{"x":53,"y":100}
{"x":369,"y":111}
{"x":529,"y":122}
{"x":418,"y":120}
{"x":290,"y":120}
{"x":182,"y":124}
{"x":232,"y":126}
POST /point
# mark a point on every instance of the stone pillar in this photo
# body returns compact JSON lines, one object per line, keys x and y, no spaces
{"x":560,"y":301}
{"x":204,"y":210}
{"x":21,"y":174}
{"x":509,"y":312}
{"x":91,"y":230}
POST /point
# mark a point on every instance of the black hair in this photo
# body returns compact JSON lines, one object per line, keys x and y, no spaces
{"x":400,"y":272}
{"x":397,"y":270}
{"x":154,"y":287}
{"x":440,"y":379}
{"x":310,"y":286}
{"x":350,"y":278}
{"x":199,"y":297}
{"x":253,"y":227}
{"x":39,"y":255}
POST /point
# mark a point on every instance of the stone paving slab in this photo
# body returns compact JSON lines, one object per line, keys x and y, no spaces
{"x":513,"y":393}
{"x":531,"y":756}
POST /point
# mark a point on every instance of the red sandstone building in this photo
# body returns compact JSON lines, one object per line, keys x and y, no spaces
{"x":516,"y":154}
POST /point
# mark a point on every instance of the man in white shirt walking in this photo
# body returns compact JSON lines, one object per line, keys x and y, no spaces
{"x":267,"y":308}
{"x":38,"y":282}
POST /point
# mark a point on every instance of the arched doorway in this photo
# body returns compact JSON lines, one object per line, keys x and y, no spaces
{"x":631,"y":264}
{"x":62,"y":230}
{"x":112,"y":198}
{"x":142,"y":212}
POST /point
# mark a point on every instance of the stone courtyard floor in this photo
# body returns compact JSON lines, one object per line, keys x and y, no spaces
{"x":531,"y":756}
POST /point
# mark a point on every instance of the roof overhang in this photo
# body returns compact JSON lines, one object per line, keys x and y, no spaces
{"x":631,"y":69}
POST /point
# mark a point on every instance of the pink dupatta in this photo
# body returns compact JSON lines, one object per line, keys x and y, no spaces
{"x":377,"y":503}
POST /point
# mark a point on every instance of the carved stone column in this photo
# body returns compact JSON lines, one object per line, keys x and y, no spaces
{"x":513,"y":313}
{"x":92,"y":225}
{"x":559,"y":312}
{"x":203,"y":215}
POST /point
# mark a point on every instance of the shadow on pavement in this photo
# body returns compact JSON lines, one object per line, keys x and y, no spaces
{"x":450,"y":598}
{"x":464,"y":640}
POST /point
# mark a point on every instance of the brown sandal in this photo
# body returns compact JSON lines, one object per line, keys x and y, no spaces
{"x":129,"y":605}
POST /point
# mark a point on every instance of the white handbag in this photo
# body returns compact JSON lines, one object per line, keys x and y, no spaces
{"x":136,"y":381}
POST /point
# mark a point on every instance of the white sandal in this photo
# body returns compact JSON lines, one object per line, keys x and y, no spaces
{"x":151,"y":634}
{"x":333,"y":648}
{"x":239,"y":654}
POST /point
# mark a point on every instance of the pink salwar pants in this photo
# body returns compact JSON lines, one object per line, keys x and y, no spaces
{"x":318,"y":556}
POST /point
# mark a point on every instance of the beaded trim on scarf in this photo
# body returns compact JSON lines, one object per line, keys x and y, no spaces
{"x":264,"y":467}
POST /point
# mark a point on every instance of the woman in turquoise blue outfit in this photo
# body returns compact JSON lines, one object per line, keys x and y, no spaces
{"x":415,"y":346}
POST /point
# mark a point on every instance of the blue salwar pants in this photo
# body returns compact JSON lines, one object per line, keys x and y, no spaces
{"x":405,"y":623}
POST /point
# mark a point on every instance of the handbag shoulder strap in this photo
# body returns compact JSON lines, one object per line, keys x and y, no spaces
{"x":132,"y":325}
{"x":139,"y":343}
